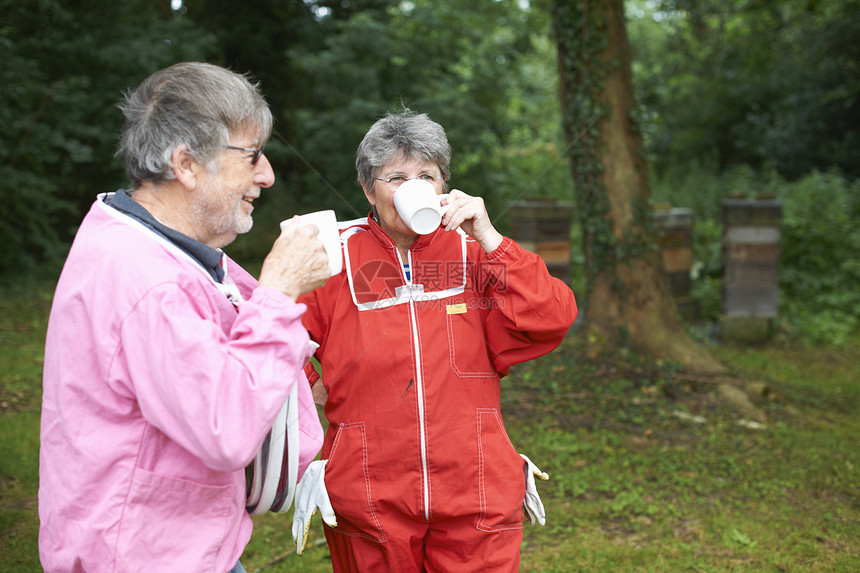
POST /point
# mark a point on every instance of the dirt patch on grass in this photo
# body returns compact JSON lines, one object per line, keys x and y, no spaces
{"x":653,"y":400}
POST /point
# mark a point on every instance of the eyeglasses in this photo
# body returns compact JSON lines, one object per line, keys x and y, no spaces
{"x":256,"y":152}
{"x":398,"y":180}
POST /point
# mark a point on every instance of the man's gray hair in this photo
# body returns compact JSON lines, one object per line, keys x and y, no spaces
{"x":195,"y":104}
{"x":404,"y":135}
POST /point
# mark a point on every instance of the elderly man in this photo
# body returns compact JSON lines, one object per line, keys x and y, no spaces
{"x":165,"y":362}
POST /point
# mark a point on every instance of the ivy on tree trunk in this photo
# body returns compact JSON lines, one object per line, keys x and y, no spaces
{"x":628,"y":298}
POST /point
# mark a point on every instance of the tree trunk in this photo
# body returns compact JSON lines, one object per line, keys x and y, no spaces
{"x":627,"y":293}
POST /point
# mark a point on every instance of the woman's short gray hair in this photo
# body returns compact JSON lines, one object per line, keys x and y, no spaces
{"x":404,"y":135}
{"x":196,"y":104}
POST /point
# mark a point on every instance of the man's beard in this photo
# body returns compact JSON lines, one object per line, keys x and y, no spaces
{"x":210,"y":212}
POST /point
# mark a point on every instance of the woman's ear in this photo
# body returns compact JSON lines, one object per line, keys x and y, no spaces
{"x":185,"y":167}
{"x":371,"y":195}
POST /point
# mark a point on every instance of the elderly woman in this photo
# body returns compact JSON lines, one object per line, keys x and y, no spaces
{"x":418,"y":473}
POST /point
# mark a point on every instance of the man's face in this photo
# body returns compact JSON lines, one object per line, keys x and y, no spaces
{"x":225,"y":201}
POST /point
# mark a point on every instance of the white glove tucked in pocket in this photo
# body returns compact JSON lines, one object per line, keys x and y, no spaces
{"x":532,"y":503}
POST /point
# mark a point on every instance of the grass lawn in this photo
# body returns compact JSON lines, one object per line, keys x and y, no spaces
{"x":649,"y":470}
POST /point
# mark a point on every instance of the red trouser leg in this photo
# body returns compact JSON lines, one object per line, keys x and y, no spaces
{"x":453,"y":546}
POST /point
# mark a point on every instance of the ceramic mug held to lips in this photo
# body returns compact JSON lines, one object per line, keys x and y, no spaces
{"x":419,"y":206}
{"x":326,"y":222}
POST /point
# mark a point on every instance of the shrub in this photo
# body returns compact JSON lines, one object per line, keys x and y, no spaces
{"x":820,"y":256}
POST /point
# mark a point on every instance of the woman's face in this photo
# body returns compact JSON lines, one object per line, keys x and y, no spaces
{"x":381,"y":195}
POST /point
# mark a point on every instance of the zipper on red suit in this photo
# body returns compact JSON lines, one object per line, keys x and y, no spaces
{"x":419,"y":386}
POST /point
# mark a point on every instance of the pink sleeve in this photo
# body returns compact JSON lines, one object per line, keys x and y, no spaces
{"x":215,"y":390}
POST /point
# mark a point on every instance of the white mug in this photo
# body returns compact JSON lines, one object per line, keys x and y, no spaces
{"x":326,"y":222}
{"x":419,"y":206}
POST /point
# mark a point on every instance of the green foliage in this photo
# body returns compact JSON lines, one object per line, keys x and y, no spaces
{"x":820,"y":257}
{"x":488,"y":86}
{"x":63,"y":72}
{"x":718,"y":84}
{"x":753,"y":83}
